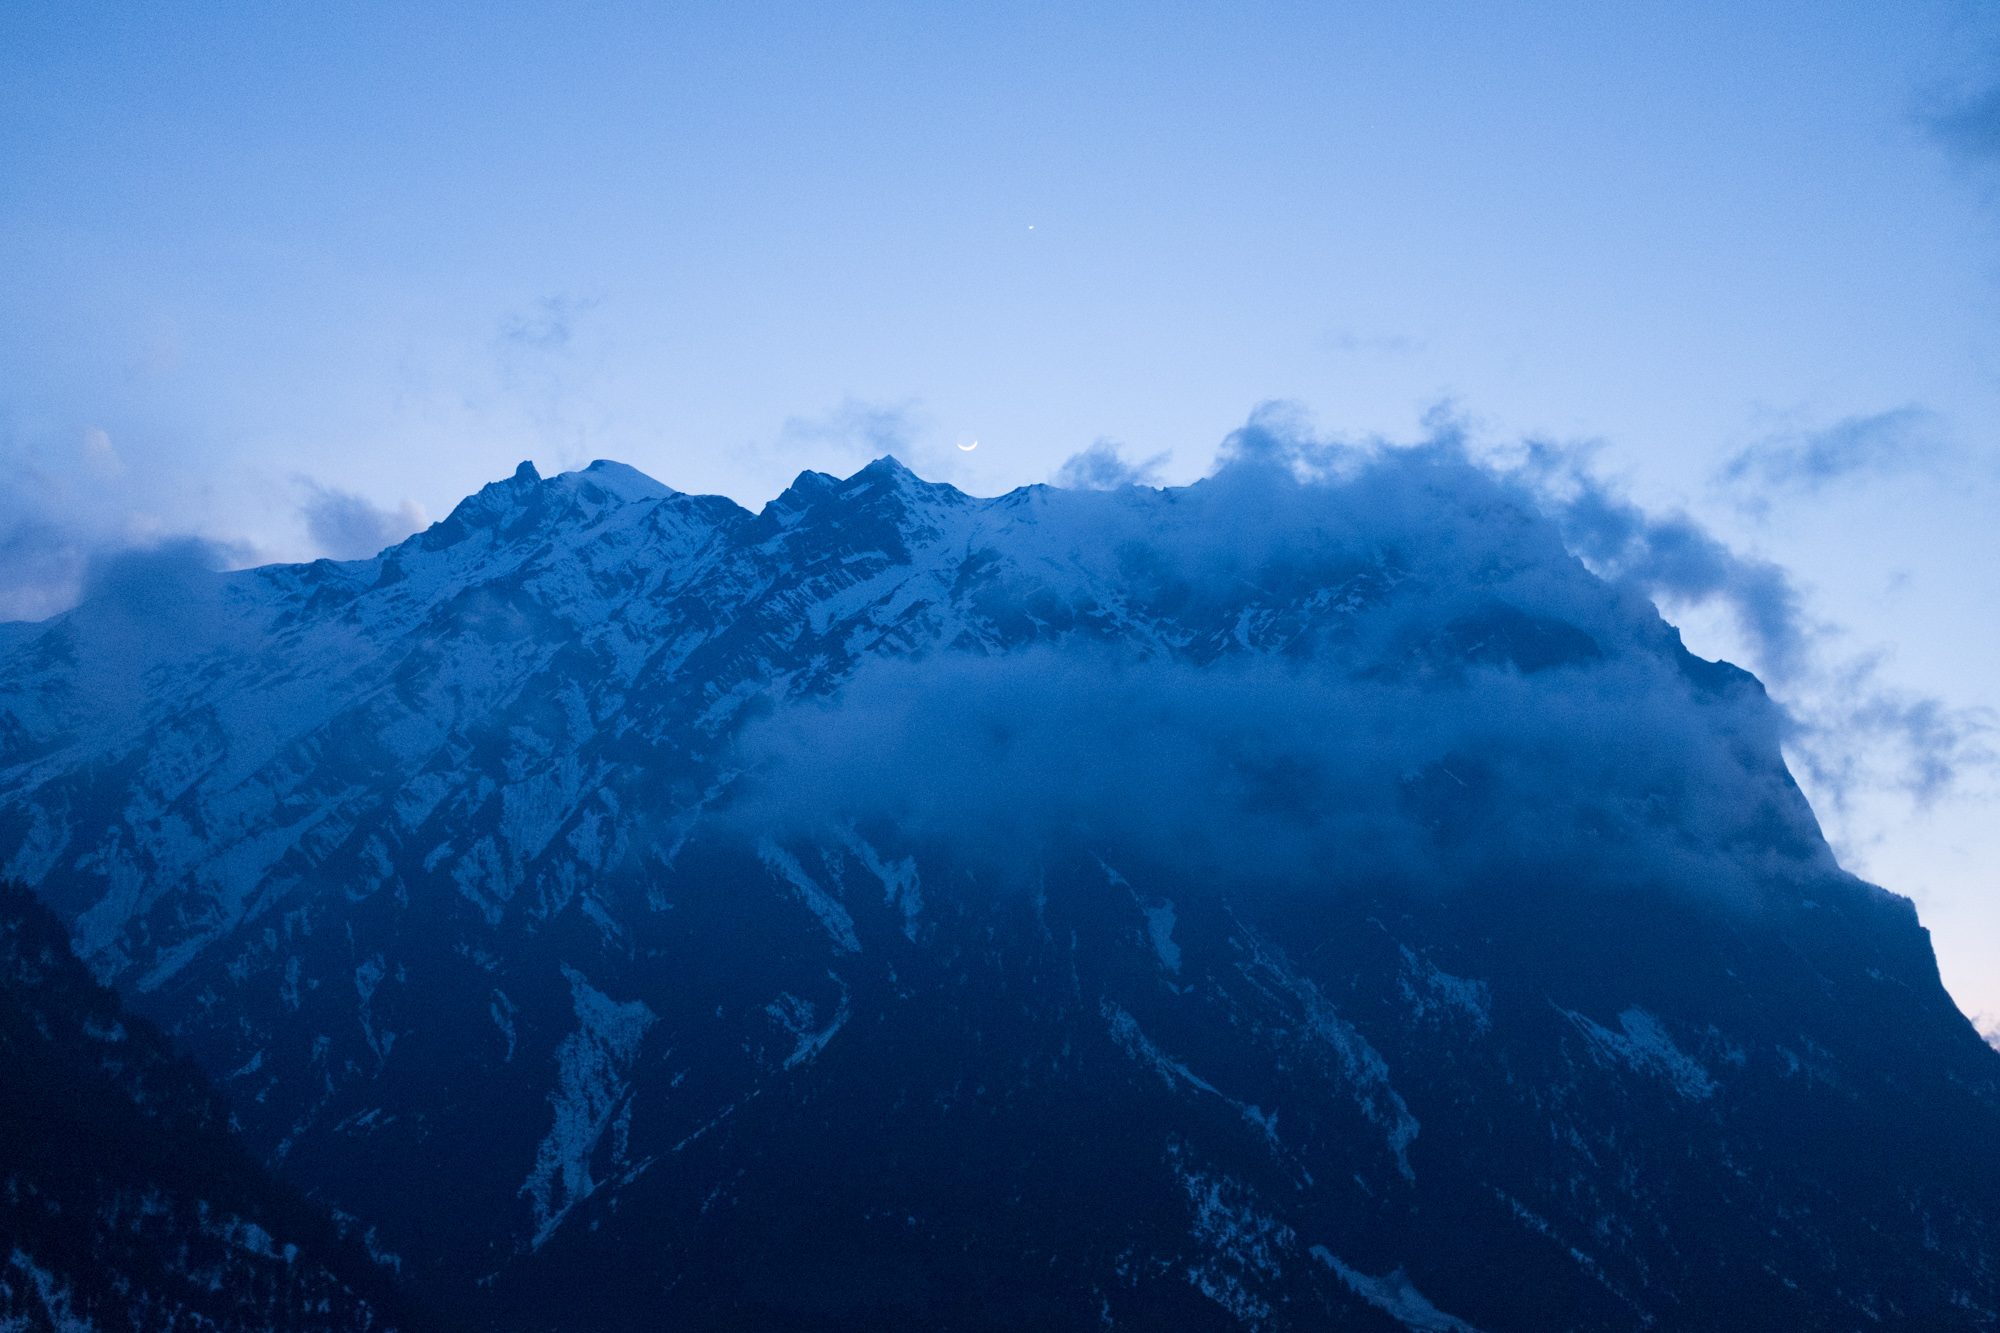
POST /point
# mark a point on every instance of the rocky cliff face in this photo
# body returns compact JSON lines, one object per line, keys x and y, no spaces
{"x":1267,"y":904}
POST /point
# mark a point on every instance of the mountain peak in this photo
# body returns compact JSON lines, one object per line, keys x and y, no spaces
{"x":885,"y":478}
{"x":888,"y":465}
{"x":490,"y":506}
{"x":499,"y":504}
{"x":889,"y":475}
{"x":619,"y":481}
{"x":808,"y":487}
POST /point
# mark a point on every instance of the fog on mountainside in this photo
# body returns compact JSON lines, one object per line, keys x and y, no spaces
{"x":1465,"y":649}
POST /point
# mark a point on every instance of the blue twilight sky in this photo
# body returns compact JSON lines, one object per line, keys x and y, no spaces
{"x":292,"y":278}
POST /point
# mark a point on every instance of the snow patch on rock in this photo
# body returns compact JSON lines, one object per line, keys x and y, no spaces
{"x":832,"y":916}
{"x":1643,"y":1046}
{"x":1361,"y":1065}
{"x":590,"y":1095}
{"x":1394,"y":1295}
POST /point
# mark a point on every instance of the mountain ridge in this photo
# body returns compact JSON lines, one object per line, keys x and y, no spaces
{"x":900,"y":908}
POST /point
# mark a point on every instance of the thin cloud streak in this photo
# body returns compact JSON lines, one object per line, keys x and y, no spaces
{"x":1901,"y":441}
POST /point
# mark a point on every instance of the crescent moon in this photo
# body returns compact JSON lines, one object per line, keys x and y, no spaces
{"x":968,"y":448}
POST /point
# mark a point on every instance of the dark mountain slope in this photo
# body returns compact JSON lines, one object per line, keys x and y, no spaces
{"x":125,"y":1202}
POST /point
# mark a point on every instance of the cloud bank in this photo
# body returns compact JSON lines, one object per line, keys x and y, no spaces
{"x":1264,"y":772}
{"x":1480,"y":706}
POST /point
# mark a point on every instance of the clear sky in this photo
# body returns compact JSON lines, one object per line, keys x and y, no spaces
{"x":291,"y":278}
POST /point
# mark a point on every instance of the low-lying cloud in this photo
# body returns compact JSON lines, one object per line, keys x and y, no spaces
{"x":1261,"y":771}
{"x":1479,"y":705}
{"x":1501,"y":698}
{"x":41,"y":565}
{"x":142,"y":580}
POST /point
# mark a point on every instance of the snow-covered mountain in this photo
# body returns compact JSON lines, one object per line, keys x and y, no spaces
{"x":1266,"y":904}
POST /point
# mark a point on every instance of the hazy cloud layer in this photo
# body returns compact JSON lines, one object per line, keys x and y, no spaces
{"x":1404,"y":746}
{"x":139,"y":581}
{"x":41,"y":564}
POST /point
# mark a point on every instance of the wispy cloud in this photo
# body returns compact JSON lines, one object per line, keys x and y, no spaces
{"x":1903,"y":440}
{"x":549,"y":324}
{"x":857,"y":429}
{"x":547,"y":363}
{"x":1671,"y":556}
{"x":1104,"y":467}
{"x":1852,"y":731}
{"x":1857,"y":733}
{"x":347,"y":526}
{"x":1969,"y":125}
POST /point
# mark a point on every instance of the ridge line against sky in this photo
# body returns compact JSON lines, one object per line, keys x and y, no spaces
{"x":289,"y":283}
